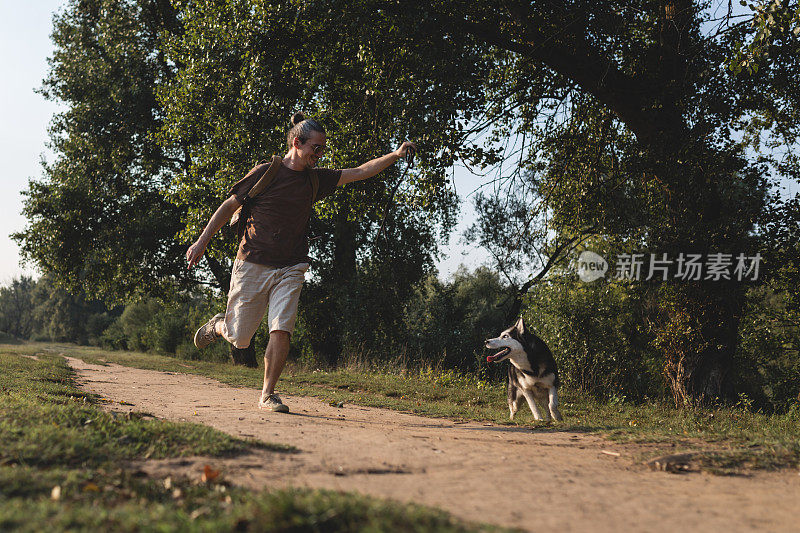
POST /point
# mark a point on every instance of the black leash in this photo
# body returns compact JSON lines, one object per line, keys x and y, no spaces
{"x":410,"y":152}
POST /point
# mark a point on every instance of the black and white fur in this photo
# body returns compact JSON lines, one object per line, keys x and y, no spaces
{"x":532,"y":373}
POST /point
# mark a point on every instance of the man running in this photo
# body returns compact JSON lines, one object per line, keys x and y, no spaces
{"x":270,"y":265}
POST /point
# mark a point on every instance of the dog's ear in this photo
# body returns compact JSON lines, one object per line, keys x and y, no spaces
{"x":520,"y":327}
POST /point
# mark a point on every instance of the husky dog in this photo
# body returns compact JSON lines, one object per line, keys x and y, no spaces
{"x":532,"y":373}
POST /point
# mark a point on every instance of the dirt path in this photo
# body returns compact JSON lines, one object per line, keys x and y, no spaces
{"x":508,"y":476}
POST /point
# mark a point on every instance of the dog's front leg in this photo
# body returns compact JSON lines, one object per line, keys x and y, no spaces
{"x":513,"y":404}
{"x":514,"y":395}
{"x":512,"y":401}
{"x":552,"y":404}
{"x":532,"y":404}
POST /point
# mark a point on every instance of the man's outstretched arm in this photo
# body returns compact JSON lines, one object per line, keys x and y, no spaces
{"x":375,"y":166}
{"x":223,"y":214}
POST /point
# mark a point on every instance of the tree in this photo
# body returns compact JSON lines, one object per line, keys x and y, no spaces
{"x":246,"y":67}
{"x":16,"y":307}
{"x":98,"y":220}
{"x":772,"y":21}
{"x":447,"y":323}
{"x":628,"y":118}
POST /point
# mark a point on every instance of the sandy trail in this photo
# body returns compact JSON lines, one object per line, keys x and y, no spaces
{"x":509,"y":476}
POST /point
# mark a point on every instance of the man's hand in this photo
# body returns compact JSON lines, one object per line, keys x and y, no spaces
{"x":195,"y":252}
{"x":223,"y":214}
{"x":403,"y":150}
{"x":375,"y":166}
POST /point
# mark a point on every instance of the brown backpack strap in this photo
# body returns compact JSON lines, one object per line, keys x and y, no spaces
{"x":314,"y":183}
{"x":265,"y":179}
{"x":239,"y":218}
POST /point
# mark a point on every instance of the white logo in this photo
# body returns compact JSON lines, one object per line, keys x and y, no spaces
{"x":591,"y":266}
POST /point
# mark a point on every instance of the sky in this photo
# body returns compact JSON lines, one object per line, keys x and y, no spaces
{"x":24,"y":117}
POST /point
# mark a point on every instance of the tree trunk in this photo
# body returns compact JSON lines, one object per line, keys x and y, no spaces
{"x":221,"y":274}
{"x":697,"y":321}
{"x":244,"y":356}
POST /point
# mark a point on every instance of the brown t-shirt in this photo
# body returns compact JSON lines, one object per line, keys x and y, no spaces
{"x":276,"y":233}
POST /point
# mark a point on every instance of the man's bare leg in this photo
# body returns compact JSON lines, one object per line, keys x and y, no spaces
{"x":274,"y":360}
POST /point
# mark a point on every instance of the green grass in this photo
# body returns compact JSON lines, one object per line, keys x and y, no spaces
{"x":45,"y":421}
{"x":732,"y":439}
{"x":145,"y":504}
{"x":57,"y":441}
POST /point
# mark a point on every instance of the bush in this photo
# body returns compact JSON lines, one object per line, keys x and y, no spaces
{"x":596,"y":333}
{"x":446,"y":323}
{"x":134,"y":320}
{"x":160,"y":327}
{"x":16,"y":307}
{"x":96,"y":324}
{"x":5,"y":338}
{"x":767,"y":366}
{"x":430,"y":323}
{"x":165,"y":330}
{"x":114,"y":337}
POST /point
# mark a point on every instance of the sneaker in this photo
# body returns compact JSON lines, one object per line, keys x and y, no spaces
{"x":208,"y":332}
{"x":273,"y":403}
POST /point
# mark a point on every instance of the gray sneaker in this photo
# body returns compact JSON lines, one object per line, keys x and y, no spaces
{"x":207,"y":332}
{"x":273,"y":403}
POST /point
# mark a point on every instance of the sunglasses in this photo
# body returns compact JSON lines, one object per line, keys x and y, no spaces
{"x":318,"y":149}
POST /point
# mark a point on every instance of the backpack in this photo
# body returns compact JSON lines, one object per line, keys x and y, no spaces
{"x":238,"y":221}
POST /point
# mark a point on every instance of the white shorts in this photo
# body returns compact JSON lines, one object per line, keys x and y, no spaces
{"x":254,"y":288}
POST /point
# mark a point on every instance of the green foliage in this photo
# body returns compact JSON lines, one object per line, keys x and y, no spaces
{"x":104,"y":194}
{"x":134,"y":321}
{"x":243,"y":69}
{"x":58,"y":315}
{"x":782,"y":254}
{"x":114,"y":336}
{"x":16,"y":307}
{"x":38,"y":309}
{"x":596,"y":334}
{"x":184,"y":99}
{"x":96,"y":326}
{"x":646,"y":151}
{"x":767,"y":362}
{"x":163,"y":326}
{"x":428,"y":324}
{"x":363,"y":309}
{"x":166,"y":329}
{"x":772,"y":22}
{"x":447,"y":323}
